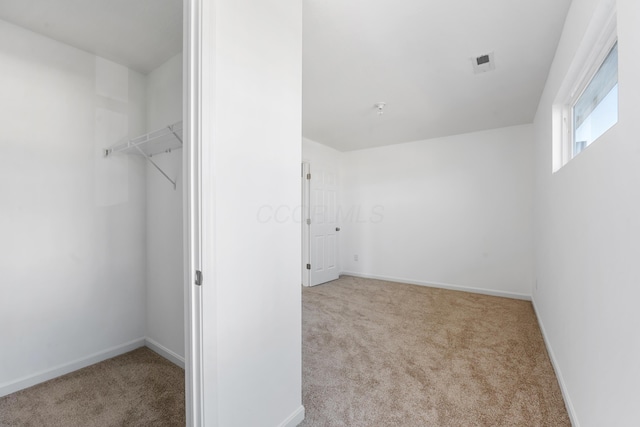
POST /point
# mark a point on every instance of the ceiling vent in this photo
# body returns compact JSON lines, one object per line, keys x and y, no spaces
{"x":483,"y":63}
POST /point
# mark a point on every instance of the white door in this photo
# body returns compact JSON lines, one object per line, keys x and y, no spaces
{"x":324,"y":228}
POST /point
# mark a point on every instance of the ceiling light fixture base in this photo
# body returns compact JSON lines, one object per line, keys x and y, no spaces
{"x":380,"y":107}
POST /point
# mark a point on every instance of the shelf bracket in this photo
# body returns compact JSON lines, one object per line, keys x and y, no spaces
{"x":156,"y":166}
{"x":175,"y":134}
{"x":150,"y":144}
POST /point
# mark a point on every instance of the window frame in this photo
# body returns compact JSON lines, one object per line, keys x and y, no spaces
{"x":591,"y":72}
{"x":599,"y":39}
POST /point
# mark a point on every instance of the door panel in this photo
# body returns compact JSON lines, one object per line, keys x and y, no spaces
{"x":323,"y":228}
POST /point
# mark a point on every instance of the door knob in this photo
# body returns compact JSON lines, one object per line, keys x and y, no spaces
{"x":337,"y":228}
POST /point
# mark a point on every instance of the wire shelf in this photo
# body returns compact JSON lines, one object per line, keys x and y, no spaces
{"x":160,"y":141}
{"x":148,"y":145}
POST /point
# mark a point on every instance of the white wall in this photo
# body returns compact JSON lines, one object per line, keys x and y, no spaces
{"x":453,"y":212}
{"x":252,"y":294}
{"x":587,"y":245}
{"x":72,"y":267}
{"x":165,"y":290}
{"x":317,"y":153}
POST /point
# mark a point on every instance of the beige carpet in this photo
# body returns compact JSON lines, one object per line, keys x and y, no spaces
{"x":139,"y":388}
{"x":374,"y":354}
{"x":386,"y":354}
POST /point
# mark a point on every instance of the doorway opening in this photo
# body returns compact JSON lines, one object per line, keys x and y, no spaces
{"x":97,"y":136}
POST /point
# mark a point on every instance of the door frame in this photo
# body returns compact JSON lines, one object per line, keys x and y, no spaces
{"x":304,"y":222}
{"x":197,"y":101}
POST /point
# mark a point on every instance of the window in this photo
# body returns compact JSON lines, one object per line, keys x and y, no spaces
{"x":596,"y":109}
{"x":586,"y":104}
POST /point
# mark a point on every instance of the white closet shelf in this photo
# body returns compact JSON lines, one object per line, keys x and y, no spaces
{"x":148,"y":145}
{"x":160,"y":141}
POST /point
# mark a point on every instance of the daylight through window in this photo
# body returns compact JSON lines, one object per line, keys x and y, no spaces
{"x":596,"y":110}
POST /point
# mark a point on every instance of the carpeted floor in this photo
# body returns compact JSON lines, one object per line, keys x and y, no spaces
{"x":378,"y":353}
{"x":374,"y":354}
{"x":138,"y":388}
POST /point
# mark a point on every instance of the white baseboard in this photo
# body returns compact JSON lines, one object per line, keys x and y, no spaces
{"x":563,"y":386}
{"x":165,"y":352}
{"x":49,"y":374}
{"x":294,"y":419}
{"x":491,"y":292}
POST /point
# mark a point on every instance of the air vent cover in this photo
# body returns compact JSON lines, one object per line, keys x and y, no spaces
{"x":482,"y":59}
{"x":483,"y":63}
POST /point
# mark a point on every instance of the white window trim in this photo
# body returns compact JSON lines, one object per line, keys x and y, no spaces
{"x":585,"y":81}
{"x":598,"y":41}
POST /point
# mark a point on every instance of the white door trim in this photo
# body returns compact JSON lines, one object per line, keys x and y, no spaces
{"x":196,"y":106}
{"x":207,"y":196}
{"x":306,"y":231}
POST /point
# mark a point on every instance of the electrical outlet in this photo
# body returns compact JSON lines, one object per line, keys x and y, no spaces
{"x":355,"y":257}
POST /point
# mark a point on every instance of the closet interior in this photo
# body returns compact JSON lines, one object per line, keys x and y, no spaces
{"x":91,"y":154}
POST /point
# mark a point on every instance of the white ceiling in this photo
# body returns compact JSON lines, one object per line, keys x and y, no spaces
{"x":141,"y":34}
{"x":415,"y":55}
